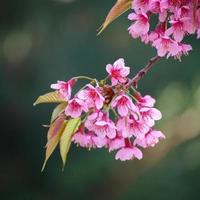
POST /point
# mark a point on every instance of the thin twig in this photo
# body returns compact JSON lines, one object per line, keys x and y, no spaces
{"x":134,"y":81}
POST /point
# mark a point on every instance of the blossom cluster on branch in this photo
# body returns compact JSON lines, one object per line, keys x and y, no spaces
{"x":175,"y":20}
{"x":112,"y":114}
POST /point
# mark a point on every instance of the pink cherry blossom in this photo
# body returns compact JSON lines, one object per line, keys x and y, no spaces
{"x":159,"y":7}
{"x":149,"y":115}
{"x":118,"y":71}
{"x":150,"y":139}
{"x":99,"y":142}
{"x":180,"y":27}
{"x":64,"y":88}
{"x":82,"y":139}
{"x":138,"y":128}
{"x":90,"y":121}
{"x":128,"y":153}
{"x":146,"y":101}
{"x":75,"y":108}
{"x":116,"y":143}
{"x":165,"y":45}
{"x":141,"y":5}
{"x":101,"y":125}
{"x":185,"y":48}
{"x":158,"y":32}
{"x":123,"y":127}
{"x":92,"y":97}
{"x":124,"y":105}
{"x":105,"y":127}
{"x":140,"y":24}
{"x":129,"y":127}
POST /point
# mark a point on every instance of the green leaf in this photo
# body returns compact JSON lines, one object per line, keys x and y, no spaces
{"x":57,"y":111}
{"x":53,"y":137}
{"x":65,"y":140}
{"x":118,"y":9}
{"x":51,"y":97}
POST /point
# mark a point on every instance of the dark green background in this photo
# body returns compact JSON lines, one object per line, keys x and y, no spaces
{"x":42,"y":41}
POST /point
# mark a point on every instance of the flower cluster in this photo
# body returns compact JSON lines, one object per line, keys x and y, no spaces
{"x":113,"y":114}
{"x":176,"y":18}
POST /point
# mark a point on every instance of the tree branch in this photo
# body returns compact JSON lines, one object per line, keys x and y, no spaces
{"x":134,"y":81}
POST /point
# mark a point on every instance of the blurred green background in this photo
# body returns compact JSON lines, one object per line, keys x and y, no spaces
{"x":42,"y":41}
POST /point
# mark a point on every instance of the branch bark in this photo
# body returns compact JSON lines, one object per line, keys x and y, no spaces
{"x":134,"y":81}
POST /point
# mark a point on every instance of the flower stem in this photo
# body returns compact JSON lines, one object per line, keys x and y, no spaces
{"x":84,"y":77}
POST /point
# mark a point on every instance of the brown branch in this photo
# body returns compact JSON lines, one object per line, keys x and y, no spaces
{"x":134,"y":81}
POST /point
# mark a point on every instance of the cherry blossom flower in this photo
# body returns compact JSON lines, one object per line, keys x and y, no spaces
{"x":185,"y":48}
{"x":140,"y":26}
{"x":64,"y":88}
{"x":82,"y":139}
{"x":180,"y":27}
{"x":141,"y":5}
{"x":149,"y":115}
{"x":165,"y":45}
{"x":150,"y":139}
{"x":138,"y":128}
{"x":101,"y":125}
{"x":146,"y":101}
{"x":92,"y":97}
{"x":99,"y":142}
{"x":118,"y":71}
{"x":124,"y":105}
{"x":159,"y":7}
{"x":129,"y":127}
{"x":116,"y":143}
{"x":75,"y":108}
{"x":128,"y":153}
{"x":123,"y":127}
{"x":105,"y":127}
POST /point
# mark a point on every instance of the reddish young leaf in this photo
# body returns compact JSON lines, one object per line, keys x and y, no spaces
{"x":53,"y":137}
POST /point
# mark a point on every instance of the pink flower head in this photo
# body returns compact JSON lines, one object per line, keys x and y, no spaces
{"x":149,"y":115}
{"x":138,"y":128}
{"x":92,"y":97}
{"x":124,"y":105}
{"x":75,"y":107}
{"x":185,"y":48}
{"x":90,"y":121}
{"x":118,"y":71}
{"x":146,"y":101}
{"x":159,"y":7}
{"x":158,"y":32}
{"x":101,"y":125}
{"x":123,"y":127}
{"x":82,"y":139}
{"x":99,"y":142}
{"x":105,"y":127}
{"x":180,"y":27}
{"x":150,"y":139}
{"x":141,"y":5}
{"x":140,"y":26}
{"x":116,"y":143}
{"x":128,"y":127}
{"x":64,"y":88}
{"x":128,"y":153}
{"x":165,"y":45}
